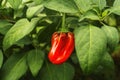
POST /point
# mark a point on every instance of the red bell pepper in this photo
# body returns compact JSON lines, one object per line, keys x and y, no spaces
{"x":62,"y":47}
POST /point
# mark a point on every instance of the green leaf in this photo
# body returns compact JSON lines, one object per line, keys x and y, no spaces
{"x":57,"y":72}
{"x":89,"y":15}
{"x":108,"y":67}
{"x":72,"y":22}
{"x":107,"y":61}
{"x":115,"y":10}
{"x":26,"y":1}
{"x":18,"y":13}
{"x":21,"y":28}
{"x":116,"y":7}
{"x":31,"y":11}
{"x":110,"y":20}
{"x":15,"y":3}
{"x":26,"y":40}
{"x":14,"y":67}
{"x":35,"y":60}
{"x":89,"y":47}
{"x":1,"y":58}
{"x":66,"y":6}
{"x":83,"y":5}
{"x":99,"y":3}
{"x":112,"y":36}
{"x":116,"y":3}
{"x":4,"y":26}
{"x":38,"y":1}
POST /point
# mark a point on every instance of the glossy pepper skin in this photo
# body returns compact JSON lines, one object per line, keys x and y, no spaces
{"x":62,"y":47}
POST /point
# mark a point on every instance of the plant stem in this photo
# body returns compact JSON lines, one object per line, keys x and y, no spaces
{"x":63,"y":21}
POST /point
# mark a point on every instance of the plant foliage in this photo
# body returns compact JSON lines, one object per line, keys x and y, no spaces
{"x":26,"y":27}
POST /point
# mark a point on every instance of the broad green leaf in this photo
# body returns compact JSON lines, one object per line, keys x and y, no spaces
{"x":89,"y":15}
{"x":66,"y":6}
{"x":99,"y":3}
{"x":57,"y":72}
{"x":20,"y":29}
{"x":35,"y":60}
{"x":83,"y":5}
{"x":4,"y":26}
{"x":1,"y":58}
{"x":116,"y":7}
{"x":107,"y":61}
{"x":89,"y":46}
{"x":31,"y":11}
{"x":15,"y":3}
{"x":112,"y":36}
{"x":14,"y":67}
{"x":108,"y":67}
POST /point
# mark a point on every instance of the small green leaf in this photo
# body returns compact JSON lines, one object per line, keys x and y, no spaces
{"x":110,"y":20}
{"x":14,"y":67}
{"x":83,"y":5}
{"x":57,"y":72}
{"x":38,"y":1}
{"x":31,"y":11}
{"x":116,"y":3}
{"x":99,"y":3}
{"x":35,"y":60}
{"x":112,"y":36}
{"x":105,"y":12}
{"x":116,"y":7}
{"x":24,"y":41}
{"x":67,"y":6}
{"x":18,"y":13}
{"x":21,"y":28}
{"x":89,"y":15}
{"x":4,"y":26}
{"x":72,"y":22}
{"x":89,"y":47}
{"x":1,"y":58}
{"x":26,"y":1}
{"x":15,"y":3}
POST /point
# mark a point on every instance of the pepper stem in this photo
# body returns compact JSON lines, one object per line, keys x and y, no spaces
{"x":63,"y":20}
{"x":63,"y":23}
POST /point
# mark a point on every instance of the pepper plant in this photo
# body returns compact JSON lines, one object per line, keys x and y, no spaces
{"x":59,"y":39}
